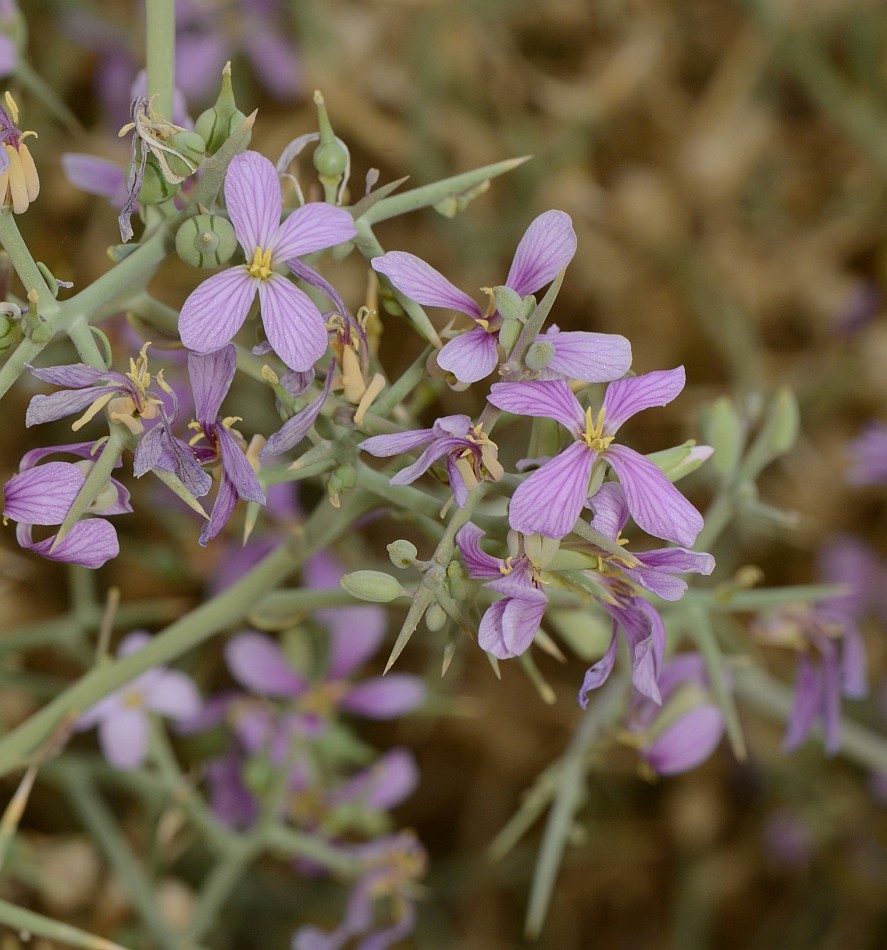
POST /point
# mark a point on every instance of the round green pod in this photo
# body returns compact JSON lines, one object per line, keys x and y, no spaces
{"x":155,"y":188}
{"x":191,"y":147}
{"x":330,"y":160}
{"x":216,"y":127}
{"x":206,"y":240}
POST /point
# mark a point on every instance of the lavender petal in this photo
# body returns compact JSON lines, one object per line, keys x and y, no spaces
{"x":216,"y":309}
{"x":293,"y":324}
{"x":421,"y":282}
{"x":627,"y":397}
{"x":471,"y":356}
{"x":546,"y":248}
{"x":253,"y":199}
{"x":550,"y":399}
{"x":211,"y":375}
{"x":259,"y":665}
{"x":593,"y":357}
{"x":386,"y":698}
{"x":313,"y":227}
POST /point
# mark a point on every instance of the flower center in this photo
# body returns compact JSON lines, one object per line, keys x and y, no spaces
{"x":260,"y":268}
{"x":594,"y":436}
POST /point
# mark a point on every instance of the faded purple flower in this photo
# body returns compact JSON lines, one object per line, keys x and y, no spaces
{"x":868,"y":456}
{"x":123,"y":716}
{"x":216,"y":310}
{"x":545,"y":249}
{"x":684,"y":731}
{"x":298,"y":426}
{"x":96,"y":176}
{"x":549,"y":500}
{"x":831,"y":664}
{"x":471,"y":456}
{"x":508,"y":626}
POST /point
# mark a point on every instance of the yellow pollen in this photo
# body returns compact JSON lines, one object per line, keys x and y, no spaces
{"x":506,"y":567}
{"x":13,"y":108}
{"x":260,"y":268}
{"x":594,"y":436}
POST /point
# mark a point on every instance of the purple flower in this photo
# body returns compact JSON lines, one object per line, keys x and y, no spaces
{"x":684,"y":731}
{"x":96,"y":176}
{"x":211,"y":376}
{"x":470,"y":454}
{"x":216,"y":310}
{"x":831,"y":664}
{"x":123,"y":716}
{"x":868,"y":455}
{"x":549,"y":500}
{"x":297,"y":427}
{"x":658,"y":569}
{"x":43,"y":495}
{"x":545,"y":249}
{"x":127,"y":396}
{"x":509,"y":625}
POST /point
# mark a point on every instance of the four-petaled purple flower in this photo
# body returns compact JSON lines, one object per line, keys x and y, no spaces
{"x":471,"y":456}
{"x":545,"y":249}
{"x":216,"y":310}
{"x":211,"y":376}
{"x":508,"y":626}
{"x":549,"y":500}
{"x":123,"y":716}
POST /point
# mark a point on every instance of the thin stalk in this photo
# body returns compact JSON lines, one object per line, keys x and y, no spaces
{"x":161,"y":49}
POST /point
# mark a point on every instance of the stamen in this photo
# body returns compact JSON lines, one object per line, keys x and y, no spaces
{"x":260,"y":268}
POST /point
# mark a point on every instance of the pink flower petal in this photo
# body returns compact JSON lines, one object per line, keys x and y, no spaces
{"x":688,"y":742}
{"x":479,"y":563}
{"x":421,"y":282}
{"x":215,"y":311}
{"x":174,"y":695}
{"x":313,"y":227}
{"x":258,"y":664}
{"x":385,"y":698}
{"x":544,"y":251}
{"x":293,"y":324}
{"x":42,"y":495}
{"x":627,"y":397}
{"x":124,"y":738}
{"x":594,"y":357}
{"x":90,"y":543}
{"x":470,"y":357}
{"x":551,"y":399}
{"x":549,"y":500}
{"x":252,"y":194}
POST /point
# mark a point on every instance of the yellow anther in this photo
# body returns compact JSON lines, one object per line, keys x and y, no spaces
{"x":13,"y":108}
{"x":94,"y":409}
{"x":229,"y":421}
{"x":594,"y":436}
{"x":491,"y":305}
{"x":506,"y":567}
{"x":260,"y":268}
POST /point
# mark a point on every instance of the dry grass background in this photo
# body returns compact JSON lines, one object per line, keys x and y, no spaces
{"x":724,"y":164}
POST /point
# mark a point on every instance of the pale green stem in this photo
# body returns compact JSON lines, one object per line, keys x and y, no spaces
{"x":23,"y":262}
{"x":29,"y":922}
{"x":161,"y":49}
{"x":87,"y":348}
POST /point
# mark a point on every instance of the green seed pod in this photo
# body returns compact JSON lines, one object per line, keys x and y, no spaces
{"x":216,"y":126}
{"x":155,"y":188}
{"x":539,"y":355}
{"x":508,"y":303}
{"x":6,"y":326}
{"x":330,"y":160}
{"x":206,"y":240}
{"x":374,"y":586}
{"x":402,"y":553}
{"x":435,"y":618}
{"x":509,"y":332}
{"x":191,"y":147}
{"x":457,"y":581}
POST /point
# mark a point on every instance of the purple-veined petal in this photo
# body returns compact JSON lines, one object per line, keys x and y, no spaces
{"x":479,"y":563}
{"x":437,"y":449}
{"x":457,"y":482}
{"x":457,"y":425}
{"x":655,"y":504}
{"x":124,"y":738}
{"x":666,"y":586}
{"x":421,"y":282}
{"x":385,"y":698}
{"x":546,"y":248}
{"x":42,"y":495}
{"x":627,"y":397}
{"x":294,"y":326}
{"x":508,"y":631}
{"x":868,"y":454}
{"x":121,"y":504}
{"x":259,"y":665}
{"x":174,"y":695}
{"x":78,"y":375}
{"x":395,"y":443}
{"x":238,"y":468}
{"x":471,"y":356}
{"x":90,"y":543}
{"x":216,"y":309}
{"x":687,"y":742}
{"x":86,"y":450}
{"x":594,"y":357}
{"x":313,"y":227}
{"x":211,"y":375}
{"x":677,"y":561}
{"x":65,"y":403}
{"x":550,"y":399}
{"x":223,"y":508}
{"x":295,"y":429}
{"x":808,"y":702}
{"x":597,"y":674}
{"x":275,"y":61}
{"x":645,"y":633}
{"x":548,"y":501}
{"x":96,"y":176}
{"x":8,"y":56}
{"x":252,"y":195}
{"x":610,"y":509}
{"x":490,"y":636}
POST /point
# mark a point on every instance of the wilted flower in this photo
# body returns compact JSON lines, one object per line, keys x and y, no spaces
{"x":19,"y":183}
{"x":123,"y":716}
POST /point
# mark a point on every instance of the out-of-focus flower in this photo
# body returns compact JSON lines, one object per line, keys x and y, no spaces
{"x":471,"y":455}
{"x":96,"y":176}
{"x":43,"y":495}
{"x":868,"y":456}
{"x":686,"y":728}
{"x":549,"y":500}
{"x":216,"y":310}
{"x":123,"y":716}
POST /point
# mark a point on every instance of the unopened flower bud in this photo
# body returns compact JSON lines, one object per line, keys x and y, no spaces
{"x":509,"y":332}
{"x":343,"y":478}
{"x":539,"y":355}
{"x":435,"y":618}
{"x":206,"y":240}
{"x":540,"y":550}
{"x":508,"y":303}
{"x":155,"y":188}
{"x":434,"y":577}
{"x":217,"y":123}
{"x":189,"y":148}
{"x":374,"y":586}
{"x":402,"y":553}
{"x":457,"y":581}
{"x":723,"y":428}
{"x":330,"y":160}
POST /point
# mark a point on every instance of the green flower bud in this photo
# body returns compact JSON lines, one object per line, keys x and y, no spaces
{"x":206,"y":240}
{"x":155,"y":188}
{"x":539,"y":355}
{"x":402,"y":553}
{"x":330,"y":160}
{"x":508,"y":303}
{"x":374,"y":586}
{"x":679,"y":461}
{"x":217,"y":123}
{"x":541,"y":550}
{"x":434,"y":577}
{"x":191,"y":147}
{"x":5,"y":326}
{"x":342,"y":479}
{"x":509,"y":332}
{"x":724,"y":430}
{"x":435,"y":618}
{"x":457,"y":581}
